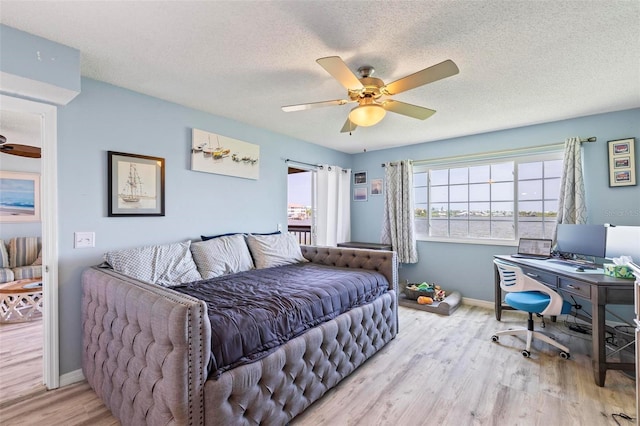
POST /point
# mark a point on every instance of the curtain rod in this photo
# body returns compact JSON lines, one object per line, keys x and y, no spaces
{"x":510,"y":151}
{"x":288,"y":160}
{"x":318,"y":166}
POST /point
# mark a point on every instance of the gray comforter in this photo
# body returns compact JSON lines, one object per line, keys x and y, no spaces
{"x":254,"y":312}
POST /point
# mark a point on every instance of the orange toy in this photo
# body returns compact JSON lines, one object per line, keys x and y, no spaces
{"x":425,"y":300}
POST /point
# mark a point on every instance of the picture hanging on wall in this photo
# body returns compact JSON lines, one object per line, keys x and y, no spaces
{"x":360,"y":193}
{"x":136,"y":185}
{"x":376,"y":186}
{"x":19,"y":197}
{"x":360,"y":178}
{"x":622,"y":169}
{"x":213,"y":153}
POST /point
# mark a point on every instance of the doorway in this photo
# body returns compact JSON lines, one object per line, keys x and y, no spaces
{"x":45,"y":117}
{"x":301,"y":204}
{"x":21,"y":340}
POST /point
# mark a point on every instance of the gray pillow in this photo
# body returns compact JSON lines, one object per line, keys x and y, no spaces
{"x":221,"y":256}
{"x":165,"y":265}
{"x":274,"y":250}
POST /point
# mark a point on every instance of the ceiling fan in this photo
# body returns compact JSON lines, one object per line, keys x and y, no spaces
{"x":16,"y":149}
{"x":371,"y":93}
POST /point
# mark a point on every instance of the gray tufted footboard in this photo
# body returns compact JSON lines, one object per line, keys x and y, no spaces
{"x":145,"y":350}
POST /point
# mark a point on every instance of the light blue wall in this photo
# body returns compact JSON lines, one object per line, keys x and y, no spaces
{"x":39,"y":59}
{"x":107,"y":118}
{"x":468,"y":268}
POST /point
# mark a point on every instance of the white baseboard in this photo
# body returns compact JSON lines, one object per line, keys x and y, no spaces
{"x":478,"y":302}
{"x":71,"y":378}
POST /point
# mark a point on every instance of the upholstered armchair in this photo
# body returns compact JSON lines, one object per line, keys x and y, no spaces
{"x":22,"y":259}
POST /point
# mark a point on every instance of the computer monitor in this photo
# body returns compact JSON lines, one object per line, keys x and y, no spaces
{"x":623,"y":241}
{"x":585,"y":240}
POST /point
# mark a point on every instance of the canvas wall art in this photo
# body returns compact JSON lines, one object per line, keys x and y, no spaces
{"x":19,"y":197}
{"x":213,"y":153}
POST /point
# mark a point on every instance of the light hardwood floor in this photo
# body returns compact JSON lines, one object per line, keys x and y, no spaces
{"x":20,"y":359}
{"x":438,"y":371}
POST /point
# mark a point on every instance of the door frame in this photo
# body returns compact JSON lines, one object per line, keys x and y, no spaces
{"x":49,"y":201}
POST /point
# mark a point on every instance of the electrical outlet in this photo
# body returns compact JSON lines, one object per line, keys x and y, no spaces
{"x":279,"y":227}
{"x":84,"y":239}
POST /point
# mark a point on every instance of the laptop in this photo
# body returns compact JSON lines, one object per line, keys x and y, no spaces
{"x":533,"y":248}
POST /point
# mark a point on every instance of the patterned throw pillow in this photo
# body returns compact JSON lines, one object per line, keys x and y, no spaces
{"x":165,"y":265}
{"x":221,"y":256}
{"x":274,"y":250}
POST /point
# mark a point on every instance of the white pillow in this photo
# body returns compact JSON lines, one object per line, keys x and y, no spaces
{"x":221,"y":256}
{"x":166,"y":265}
{"x":274,"y":250}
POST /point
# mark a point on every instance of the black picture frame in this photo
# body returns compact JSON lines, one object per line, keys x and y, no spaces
{"x":135,"y":185}
{"x":622,"y":168}
{"x":360,"y":178}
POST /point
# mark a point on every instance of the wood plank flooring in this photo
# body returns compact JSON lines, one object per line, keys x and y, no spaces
{"x":20,"y":359}
{"x":438,"y":371}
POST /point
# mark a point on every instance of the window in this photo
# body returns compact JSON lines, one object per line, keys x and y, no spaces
{"x":477,"y":200}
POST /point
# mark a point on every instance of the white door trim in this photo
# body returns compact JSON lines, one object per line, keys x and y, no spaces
{"x":49,"y":202}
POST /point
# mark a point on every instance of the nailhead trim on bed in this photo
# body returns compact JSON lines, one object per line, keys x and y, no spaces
{"x":143,"y":348}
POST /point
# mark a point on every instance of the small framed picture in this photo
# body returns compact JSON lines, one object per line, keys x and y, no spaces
{"x":360,"y":178}
{"x":136,"y":185}
{"x":622,"y":170}
{"x":376,"y":187}
{"x":360,"y":193}
{"x":19,"y":197}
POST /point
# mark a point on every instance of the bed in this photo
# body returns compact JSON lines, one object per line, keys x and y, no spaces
{"x":147,"y":349}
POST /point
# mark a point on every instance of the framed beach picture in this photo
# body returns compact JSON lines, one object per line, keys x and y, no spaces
{"x":19,"y":197}
{"x":622,"y":169}
{"x":360,"y":193}
{"x":136,"y":185}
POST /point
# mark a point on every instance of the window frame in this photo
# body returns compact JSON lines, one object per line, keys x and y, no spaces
{"x":527,"y":155}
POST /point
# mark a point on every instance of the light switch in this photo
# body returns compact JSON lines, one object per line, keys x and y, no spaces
{"x":84,"y":239}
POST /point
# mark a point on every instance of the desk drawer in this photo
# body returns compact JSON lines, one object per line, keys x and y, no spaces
{"x":550,"y":280}
{"x":575,"y":287}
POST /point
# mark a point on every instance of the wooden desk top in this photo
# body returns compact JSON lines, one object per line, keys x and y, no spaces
{"x":595,"y":277}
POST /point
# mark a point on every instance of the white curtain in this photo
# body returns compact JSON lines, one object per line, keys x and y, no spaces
{"x":397,"y":226}
{"x":333,"y":205}
{"x":571,"y":202}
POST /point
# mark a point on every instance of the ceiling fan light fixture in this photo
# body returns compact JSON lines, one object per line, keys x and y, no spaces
{"x":367,"y":115}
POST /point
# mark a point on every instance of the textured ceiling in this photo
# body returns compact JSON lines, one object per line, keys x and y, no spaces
{"x":521,"y":62}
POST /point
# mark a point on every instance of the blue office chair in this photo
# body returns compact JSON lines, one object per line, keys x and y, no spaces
{"x":529,"y":295}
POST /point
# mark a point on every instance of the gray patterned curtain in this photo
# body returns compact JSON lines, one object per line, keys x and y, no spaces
{"x":397,"y":226}
{"x":571,"y":203}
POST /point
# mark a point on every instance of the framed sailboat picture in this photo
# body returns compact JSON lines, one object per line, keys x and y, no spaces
{"x":136,"y":185}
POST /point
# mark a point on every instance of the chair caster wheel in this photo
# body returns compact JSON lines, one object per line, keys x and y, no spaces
{"x":494,"y":338}
{"x":565,"y":355}
{"x":526,"y":353}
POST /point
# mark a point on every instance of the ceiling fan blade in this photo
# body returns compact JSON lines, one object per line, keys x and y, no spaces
{"x":302,"y":107}
{"x":348,"y":127}
{"x":414,"y":111}
{"x":426,"y":76}
{"x":21,"y":150}
{"x":335,"y":66}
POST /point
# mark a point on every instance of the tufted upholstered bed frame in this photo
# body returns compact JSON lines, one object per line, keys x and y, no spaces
{"x":146,"y":348}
